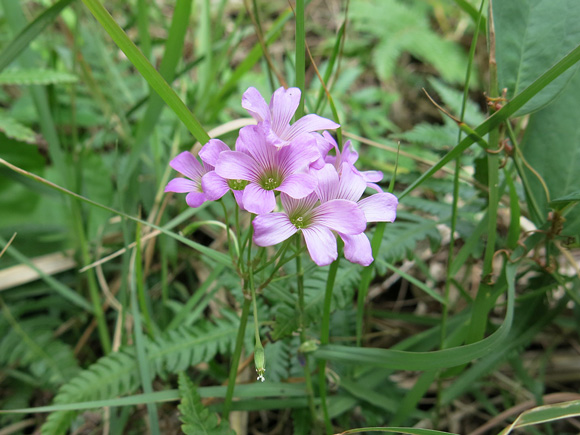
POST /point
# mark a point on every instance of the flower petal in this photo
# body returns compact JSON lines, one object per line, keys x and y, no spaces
{"x":372,"y":176}
{"x":239,"y":195}
{"x":298,"y":185}
{"x":195,"y":199}
{"x":214,"y":186}
{"x":290,"y":204}
{"x":357,"y":248}
{"x":271,"y":229}
{"x":297,"y":155}
{"x":186,"y":164}
{"x":324,"y":147}
{"x":182,"y":185}
{"x":235,"y":165}
{"x":254,"y":142}
{"x":321,"y":244}
{"x":380,"y":207}
{"x":210,"y":152}
{"x":328,"y":183}
{"x":340,"y":215}
{"x":349,"y":154}
{"x":255,"y":104}
{"x":283,"y":105}
{"x":258,"y":200}
{"x":308,"y":124}
{"x":352,"y":185}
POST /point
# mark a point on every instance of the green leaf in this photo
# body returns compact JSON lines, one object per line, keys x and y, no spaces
{"x":500,"y":116}
{"x":530,"y":37}
{"x":30,"y":32}
{"x":195,"y":417}
{"x":149,"y":73}
{"x":550,"y":146}
{"x":35,"y":77}
{"x":404,"y":27}
{"x":118,"y":372}
{"x":566,"y":199}
{"x":15,"y":130}
{"x":403,"y":360}
{"x":545,"y":414}
{"x":398,"y":430}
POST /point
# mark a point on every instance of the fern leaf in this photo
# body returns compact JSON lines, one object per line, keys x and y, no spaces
{"x":195,"y":417}
{"x":118,"y":374}
{"x":35,"y":77}
{"x":15,"y":130}
{"x":31,"y":343}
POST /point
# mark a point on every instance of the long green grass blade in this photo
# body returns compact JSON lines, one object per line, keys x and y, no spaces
{"x":136,"y":285}
{"x":149,"y":73}
{"x":217,"y":256}
{"x":403,"y":360}
{"x":57,"y":286}
{"x":30,"y":32}
{"x":545,"y":414}
{"x":500,"y":116}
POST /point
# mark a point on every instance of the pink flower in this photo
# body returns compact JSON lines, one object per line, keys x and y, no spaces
{"x":268,"y":168}
{"x":350,"y":156}
{"x":275,"y":119}
{"x":316,"y":221}
{"x":214,"y":185}
{"x":350,"y":185}
{"x":186,"y":164}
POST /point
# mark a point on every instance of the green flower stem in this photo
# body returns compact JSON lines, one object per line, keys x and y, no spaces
{"x":454,"y":206}
{"x":302,"y":323}
{"x":482,"y":304}
{"x":230,"y":245}
{"x":325,"y":339}
{"x":252,"y":287}
{"x":236,"y":358}
{"x":300,"y":55}
{"x":365,"y":281}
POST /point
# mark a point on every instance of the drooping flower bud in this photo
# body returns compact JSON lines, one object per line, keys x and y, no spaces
{"x":260,"y":362}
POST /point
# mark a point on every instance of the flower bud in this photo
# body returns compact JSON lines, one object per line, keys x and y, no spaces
{"x":260,"y":362}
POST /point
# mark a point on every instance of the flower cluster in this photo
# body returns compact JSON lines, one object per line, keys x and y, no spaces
{"x":320,"y":191}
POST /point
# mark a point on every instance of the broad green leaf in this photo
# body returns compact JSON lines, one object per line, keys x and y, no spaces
{"x":35,"y":77}
{"x":566,"y":199}
{"x":501,"y":115}
{"x":550,"y":146}
{"x":530,"y":37}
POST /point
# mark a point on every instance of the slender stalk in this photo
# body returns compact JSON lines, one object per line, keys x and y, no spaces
{"x":454,"y":208}
{"x":140,"y":285}
{"x":300,"y":55}
{"x":136,"y":283}
{"x":481,"y":304}
{"x":325,"y":339}
{"x":302,"y":323}
{"x":236,"y":358}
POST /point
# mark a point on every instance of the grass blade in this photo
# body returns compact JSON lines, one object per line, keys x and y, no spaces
{"x":30,"y":32}
{"x":149,"y":73}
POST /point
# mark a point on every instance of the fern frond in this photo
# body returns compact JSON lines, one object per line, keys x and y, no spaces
{"x":31,"y":343}
{"x":15,"y":130}
{"x":117,"y":374}
{"x":195,"y":417}
{"x":35,"y":77}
